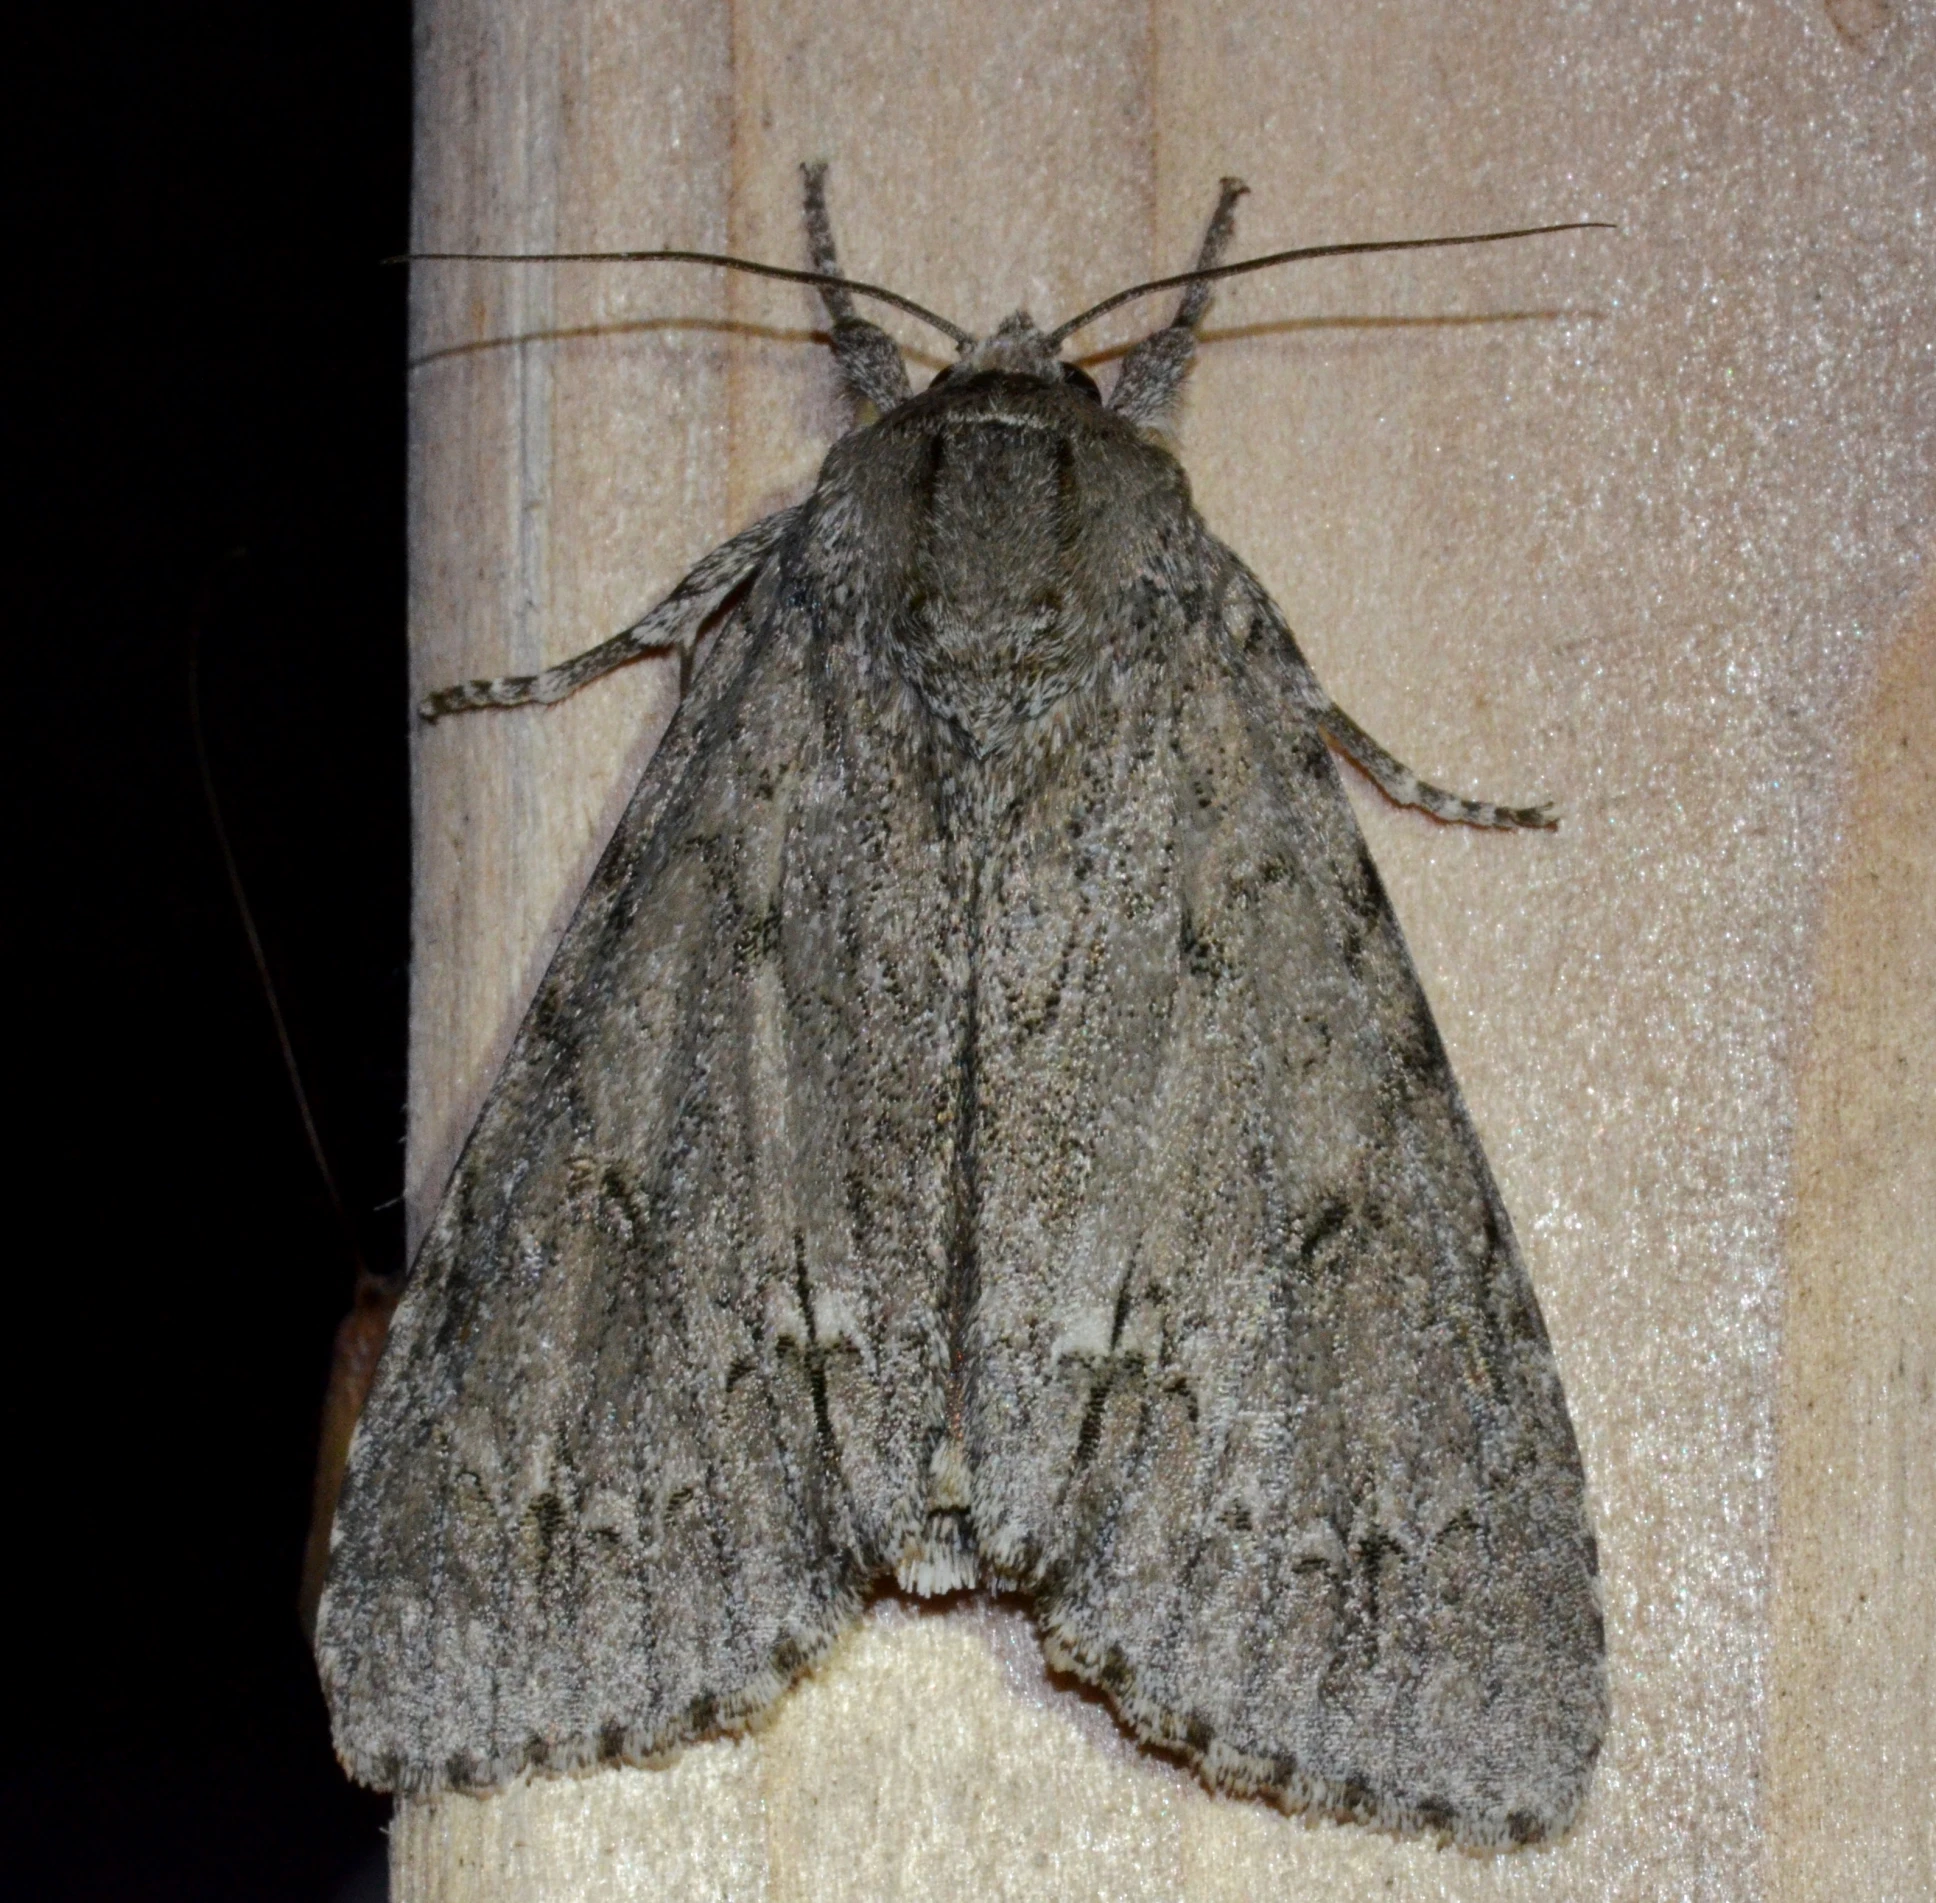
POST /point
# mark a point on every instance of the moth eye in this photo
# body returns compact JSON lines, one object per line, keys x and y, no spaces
{"x":942,"y":375}
{"x":1076,"y":378}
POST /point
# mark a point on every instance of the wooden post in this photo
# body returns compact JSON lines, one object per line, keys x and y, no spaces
{"x":1632,"y":523}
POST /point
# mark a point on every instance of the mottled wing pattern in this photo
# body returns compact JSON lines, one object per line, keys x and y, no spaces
{"x":657,"y":1395}
{"x":1262,"y":1403}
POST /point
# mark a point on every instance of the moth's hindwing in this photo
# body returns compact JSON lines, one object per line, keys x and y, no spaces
{"x":1262,"y":1404}
{"x":658,"y":1394}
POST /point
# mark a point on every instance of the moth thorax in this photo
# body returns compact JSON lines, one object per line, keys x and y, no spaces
{"x":993,"y":633}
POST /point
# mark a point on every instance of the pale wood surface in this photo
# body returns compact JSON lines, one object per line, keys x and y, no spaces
{"x":1639,"y":524}
{"x":1852,"y":1723}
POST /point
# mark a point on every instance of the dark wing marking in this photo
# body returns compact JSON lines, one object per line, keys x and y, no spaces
{"x":657,"y":1398}
{"x":1263,"y":1405}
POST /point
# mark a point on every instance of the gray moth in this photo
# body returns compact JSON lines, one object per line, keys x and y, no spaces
{"x":982,"y":1127}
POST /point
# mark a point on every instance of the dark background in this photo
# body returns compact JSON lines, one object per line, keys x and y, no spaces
{"x":214,"y":362}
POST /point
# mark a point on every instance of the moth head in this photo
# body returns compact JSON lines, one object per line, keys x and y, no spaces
{"x":1017,"y":348}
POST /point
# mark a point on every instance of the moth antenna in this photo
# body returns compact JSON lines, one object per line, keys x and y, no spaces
{"x":1084,"y":318}
{"x":870,"y":360}
{"x":361,"y":1333}
{"x":245,"y":912}
{"x":1152,"y":374}
{"x":821,"y":280}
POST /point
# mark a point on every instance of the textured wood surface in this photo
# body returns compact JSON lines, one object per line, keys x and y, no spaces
{"x":1638,"y":524}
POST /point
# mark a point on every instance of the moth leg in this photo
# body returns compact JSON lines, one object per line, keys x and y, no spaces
{"x":672,"y":627}
{"x":1152,"y":374}
{"x":1400,"y":784}
{"x":869,"y":359}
